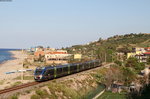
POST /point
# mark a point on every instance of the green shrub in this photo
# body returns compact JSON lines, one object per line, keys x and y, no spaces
{"x":17,"y":83}
{"x":135,"y":64}
{"x":1,"y":82}
{"x":28,"y":91}
{"x":42,"y":93}
{"x":39,"y":92}
{"x":67,"y":91}
{"x":35,"y":97}
{"x":24,"y":78}
{"x":14,"y":97}
{"x":148,"y":61}
{"x":118,"y":62}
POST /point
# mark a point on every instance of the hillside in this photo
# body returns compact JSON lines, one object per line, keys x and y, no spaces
{"x":108,"y":48}
{"x":85,"y":84}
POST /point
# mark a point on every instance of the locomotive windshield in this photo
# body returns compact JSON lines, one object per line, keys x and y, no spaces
{"x":38,"y":71}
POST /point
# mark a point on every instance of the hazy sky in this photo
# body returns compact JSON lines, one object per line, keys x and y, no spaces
{"x":61,"y":23}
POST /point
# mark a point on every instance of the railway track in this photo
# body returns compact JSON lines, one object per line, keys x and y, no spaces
{"x":18,"y":87}
{"x":36,"y":83}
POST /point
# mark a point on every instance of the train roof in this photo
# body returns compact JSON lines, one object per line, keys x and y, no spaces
{"x":60,"y":66}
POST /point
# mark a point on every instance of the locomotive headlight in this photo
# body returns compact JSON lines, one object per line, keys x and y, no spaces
{"x":40,"y":76}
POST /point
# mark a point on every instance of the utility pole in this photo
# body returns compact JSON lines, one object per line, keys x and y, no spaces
{"x":112,"y":57}
{"x":105,"y":57}
{"x":22,"y":68}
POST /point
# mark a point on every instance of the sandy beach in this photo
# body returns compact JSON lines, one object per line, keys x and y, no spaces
{"x":8,"y":80}
{"x":12,"y":65}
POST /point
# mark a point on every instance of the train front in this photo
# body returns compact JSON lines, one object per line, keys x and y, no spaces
{"x":38,"y":73}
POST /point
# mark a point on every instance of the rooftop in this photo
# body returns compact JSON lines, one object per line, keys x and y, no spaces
{"x":147,"y":53}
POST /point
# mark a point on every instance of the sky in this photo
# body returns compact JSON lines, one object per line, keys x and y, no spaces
{"x":63,"y":23}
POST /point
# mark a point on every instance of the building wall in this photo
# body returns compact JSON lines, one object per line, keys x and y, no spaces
{"x":39,"y":53}
{"x":141,"y":58}
{"x":56,"y":61}
{"x":77,"y":56}
{"x":147,"y":49}
{"x":137,"y":51}
{"x":130,"y":55}
{"x":57,"y":57}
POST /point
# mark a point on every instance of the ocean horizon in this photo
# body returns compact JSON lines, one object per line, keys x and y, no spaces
{"x":5,"y":55}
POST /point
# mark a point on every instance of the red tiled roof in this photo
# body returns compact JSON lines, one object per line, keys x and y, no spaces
{"x":39,"y":53}
{"x":147,"y":53}
{"x":57,"y":53}
{"x":147,"y":48}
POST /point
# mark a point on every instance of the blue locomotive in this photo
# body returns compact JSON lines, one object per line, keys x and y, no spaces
{"x":51,"y":72}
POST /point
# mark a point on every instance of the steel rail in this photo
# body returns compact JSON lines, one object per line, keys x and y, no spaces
{"x":18,"y":87}
{"x":35,"y":83}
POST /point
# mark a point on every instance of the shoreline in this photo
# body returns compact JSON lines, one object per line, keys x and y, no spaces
{"x":13,"y":57}
{"x":11,"y":65}
{"x":8,"y":69}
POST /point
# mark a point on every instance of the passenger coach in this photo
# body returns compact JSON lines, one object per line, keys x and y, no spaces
{"x":49,"y":72}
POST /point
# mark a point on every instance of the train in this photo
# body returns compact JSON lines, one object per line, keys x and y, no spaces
{"x":45,"y":73}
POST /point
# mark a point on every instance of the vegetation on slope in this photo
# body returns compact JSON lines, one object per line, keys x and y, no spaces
{"x":124,"y":72}
{"x":106,"y":49}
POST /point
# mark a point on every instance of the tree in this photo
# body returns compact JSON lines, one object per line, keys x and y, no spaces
{"x":110,"y":55}
{"x":148,"y":60}
{"x":135,"y":64}
{"x":41,"y":58}
{"x":101,"y":52}
{"x":108,"y":75}
{"x":63,"y":48}
{"x":48,"y":47}
{"x":118,"y":62}
{"x":124,"y":49}
{"x":100,"y":39}
{"x":132,"y":62}
{"x":129,"y":75}
{"x":40,"y":46}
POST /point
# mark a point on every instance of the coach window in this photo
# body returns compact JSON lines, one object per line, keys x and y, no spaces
{"x":59,"y":70}
{"x":51,"y":71}
{"x":65,"y":69}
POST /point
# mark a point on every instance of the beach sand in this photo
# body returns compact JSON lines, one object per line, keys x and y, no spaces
{"x":12,"y":65}
{"x":7,"y":80}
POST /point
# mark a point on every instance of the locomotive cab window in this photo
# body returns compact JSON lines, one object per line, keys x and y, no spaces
{"x":38,"y":71}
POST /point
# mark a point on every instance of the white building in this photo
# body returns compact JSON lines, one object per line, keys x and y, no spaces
{"x":59,"y":56}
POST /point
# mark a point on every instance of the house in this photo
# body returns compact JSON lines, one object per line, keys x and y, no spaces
{"x":142,"y":54}
{"x":143,"y":57}
{"x":39,"y":53}
{"x":139,"y":50}
{"x":32,"y":49}
{"x":77,"y":56}
{"x":147,"y":54}
{"x":117,"y":87}
{"x":136,"y":51}
{"x":120,"y":56}
{"x":57,"y":57}
{"x":132,"y":54}
{"x":147,"y":49}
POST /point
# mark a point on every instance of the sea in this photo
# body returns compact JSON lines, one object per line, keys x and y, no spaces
{"x":5,"y":55}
